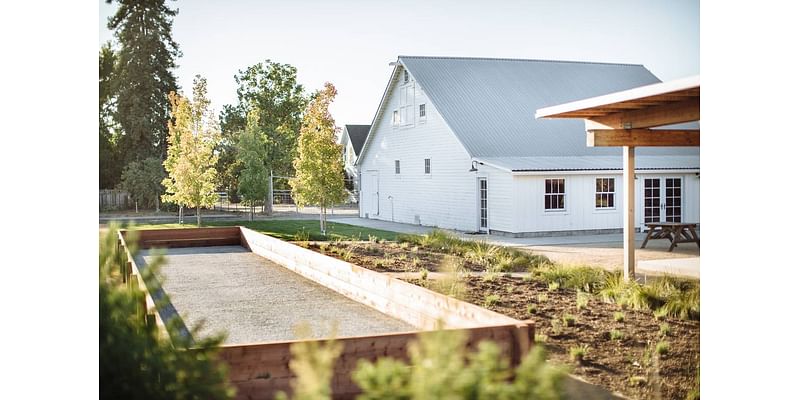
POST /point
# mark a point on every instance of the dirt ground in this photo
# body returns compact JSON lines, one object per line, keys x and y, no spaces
{"x":628,"y":365}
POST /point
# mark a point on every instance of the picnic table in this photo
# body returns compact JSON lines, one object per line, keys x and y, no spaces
{"x":676,"y":232}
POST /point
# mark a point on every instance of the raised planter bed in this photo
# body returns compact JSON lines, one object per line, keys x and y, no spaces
{"x":259,"y":370}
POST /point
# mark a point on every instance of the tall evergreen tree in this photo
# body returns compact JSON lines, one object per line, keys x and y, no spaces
{"x":110,"y":168}
{"x":272,"y":89}
{"x":147,"y":56}
{"x":319,"y":178}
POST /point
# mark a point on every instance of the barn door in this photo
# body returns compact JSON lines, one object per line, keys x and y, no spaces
{"x":370,"y":194}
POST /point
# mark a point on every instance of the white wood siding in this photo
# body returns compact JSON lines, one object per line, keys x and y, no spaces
{"x":444,"y":198}
{"x":580,"y":212}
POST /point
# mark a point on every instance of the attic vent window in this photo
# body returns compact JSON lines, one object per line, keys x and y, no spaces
{"x":422,"y":111}
{"x":405,"y":76}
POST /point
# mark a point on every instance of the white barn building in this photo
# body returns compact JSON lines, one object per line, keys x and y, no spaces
{"x":454,"y":144}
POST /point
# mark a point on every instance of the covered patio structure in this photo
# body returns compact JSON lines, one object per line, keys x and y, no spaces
{"x":634,"y":118}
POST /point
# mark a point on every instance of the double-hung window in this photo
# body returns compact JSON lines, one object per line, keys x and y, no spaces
{"x":407,"y":105}
{"x":427,"y":166}
{"x":554,"y":193}
{"x":604,"y":193}
{"x":397,"y":166}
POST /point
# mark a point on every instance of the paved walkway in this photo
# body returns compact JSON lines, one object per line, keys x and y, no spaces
{"x":603,"y":250}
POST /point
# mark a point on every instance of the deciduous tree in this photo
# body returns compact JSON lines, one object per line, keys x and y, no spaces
{"x":318,"y":166}
{"x":270,"y":88}
{"x":254,"y":178}
{"x":190,"y":156}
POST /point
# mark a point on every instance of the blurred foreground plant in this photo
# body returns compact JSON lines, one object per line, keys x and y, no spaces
{"x":136,"y":361}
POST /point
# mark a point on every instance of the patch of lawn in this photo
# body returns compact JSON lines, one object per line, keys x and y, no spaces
{"x":286,"y":229}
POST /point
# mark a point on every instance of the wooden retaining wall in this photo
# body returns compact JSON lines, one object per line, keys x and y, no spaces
{"x":259,"y":371}
{"x":410,"y":303}
{"x":190,"y":237}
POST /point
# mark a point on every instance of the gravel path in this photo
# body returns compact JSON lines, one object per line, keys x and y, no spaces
{"x":255,"y":300}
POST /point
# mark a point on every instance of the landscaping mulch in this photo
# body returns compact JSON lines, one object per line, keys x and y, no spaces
{"x":629,"y":366}
{"x":389,"y":256}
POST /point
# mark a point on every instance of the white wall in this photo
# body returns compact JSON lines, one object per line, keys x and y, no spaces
{"x":446,"y":197}
{"x":580,"y":212}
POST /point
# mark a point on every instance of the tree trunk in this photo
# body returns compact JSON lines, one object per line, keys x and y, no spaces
{"x":268,"y":198}
{"x":322,"y":219}
{"x":158,"y":209}
{"x":252,"y":210}
{"x":198,"y":216}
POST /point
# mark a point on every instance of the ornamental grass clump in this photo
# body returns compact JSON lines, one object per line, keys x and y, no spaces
{"x":491,"y":300}
{"x":579,"y":353}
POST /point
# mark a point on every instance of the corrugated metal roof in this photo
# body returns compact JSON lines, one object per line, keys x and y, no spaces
{"x":589,"y":163}
{"x":490,"y":103}
{"x":357,"y":134}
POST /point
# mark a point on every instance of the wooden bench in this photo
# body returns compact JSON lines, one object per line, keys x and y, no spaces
{"x":675,"y":232}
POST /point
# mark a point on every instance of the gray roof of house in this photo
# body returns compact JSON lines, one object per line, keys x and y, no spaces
{"x":591,"y":163}
{"x":490,"y":104}
{"x":357,"y":134}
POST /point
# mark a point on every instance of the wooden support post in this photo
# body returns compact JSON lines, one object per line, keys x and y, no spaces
{"x":628,"y":235}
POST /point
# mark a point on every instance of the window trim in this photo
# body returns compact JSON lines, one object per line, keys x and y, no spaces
{"x":395,"y":118}
{"x":397,"y":167}
{"x":422,"y":112}
{"x":563,"y":194}
{"x":426,"y":167}
{"x":611,"y":194}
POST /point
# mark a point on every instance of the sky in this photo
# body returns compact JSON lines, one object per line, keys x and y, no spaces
{"x":351,"y":42}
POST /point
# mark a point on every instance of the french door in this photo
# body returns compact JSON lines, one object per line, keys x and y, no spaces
{"x":662,"y":199}
{"x":483,"y":205}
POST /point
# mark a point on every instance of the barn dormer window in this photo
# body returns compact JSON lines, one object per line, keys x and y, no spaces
{"x":405,"y":76}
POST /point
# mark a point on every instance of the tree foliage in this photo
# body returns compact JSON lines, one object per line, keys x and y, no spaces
{"x":254,"y":178}
{"x":142,"y":179}
{"x":144,"y":76}
{"x":318,"y":166}
{"x":271,"y":90}
{"x":108,"y":151}
{"x":136,"y":361}
{"x":190,"y":156}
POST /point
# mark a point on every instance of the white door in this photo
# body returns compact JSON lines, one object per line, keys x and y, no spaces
{"x":370,"y":194}
{"x":663,"y":200}
{"x":483,"y":205}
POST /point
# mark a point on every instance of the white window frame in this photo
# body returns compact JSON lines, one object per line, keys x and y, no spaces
{"x":427,"y":167}
{"x":395,"y":118}
{"x":407,"y":110}
{"x":609,"y":194}
{"x":563,"y":195}
{"x":422,"y":112}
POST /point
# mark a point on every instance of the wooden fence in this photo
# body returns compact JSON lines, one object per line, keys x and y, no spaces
{"x":112,"y":199}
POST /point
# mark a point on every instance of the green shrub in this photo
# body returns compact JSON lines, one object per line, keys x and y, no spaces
{"x":540,"y":338}
{"x":553,"y":286}
{"x":578,"y":353}
{"x":664,"y":329}
{"x":619,"y":317}
{"x":662,"y":348}
{"x":581,"y":300}
{"x":531,"y":309}
{"x":615,"y":334}
{"x":637,"y":381}
{"x":346,"y":254}
{"x":542,"y":297}
{"x":569,"y":319}
{"x":302,"y":235}
{"x":451,"y":282}
{"x":424,"y":274}
{"x":491,"y":300}
{"x":440,"y":367}
{"x":683,"y":304}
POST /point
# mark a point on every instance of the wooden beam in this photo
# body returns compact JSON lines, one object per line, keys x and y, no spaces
{"x":643,"y":137}
{"x":667,"y":114}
